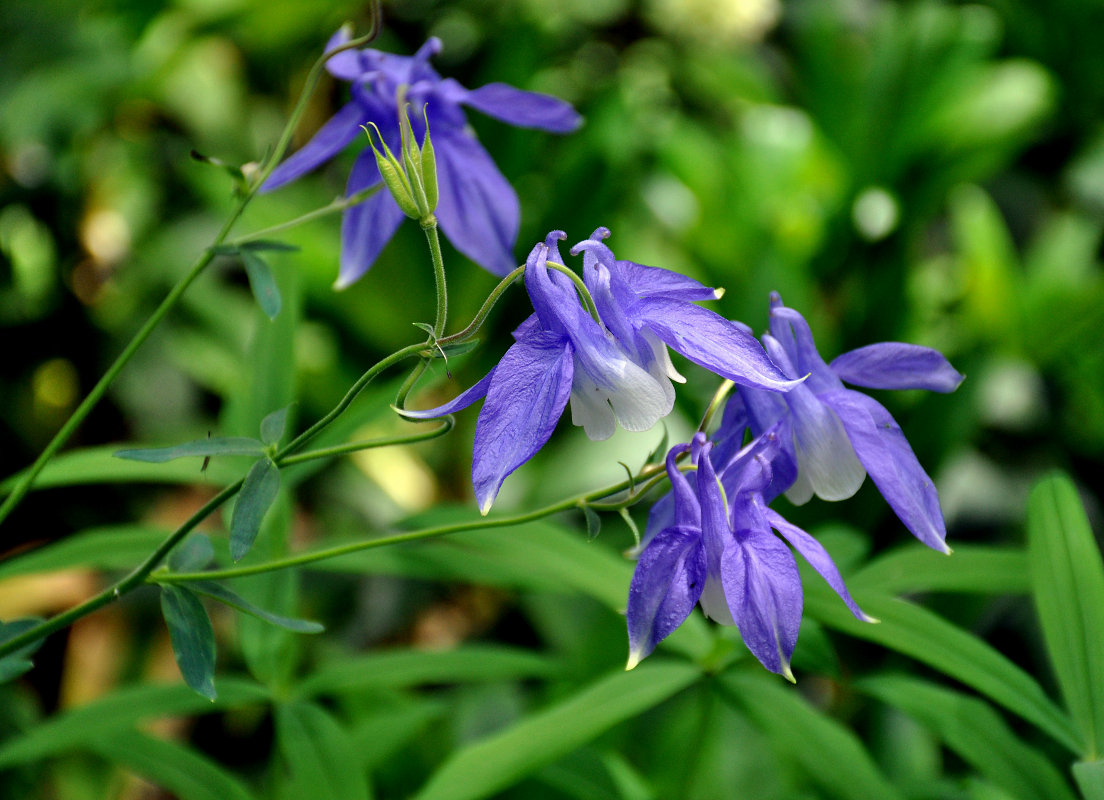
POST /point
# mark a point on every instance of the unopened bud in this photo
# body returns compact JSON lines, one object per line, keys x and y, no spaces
{"x":393,"y":175}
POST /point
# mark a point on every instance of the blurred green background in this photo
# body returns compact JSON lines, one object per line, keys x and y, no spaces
{"x":930,"y":172}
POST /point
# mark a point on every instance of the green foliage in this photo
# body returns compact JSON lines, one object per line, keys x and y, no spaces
{"x":193,"y":638}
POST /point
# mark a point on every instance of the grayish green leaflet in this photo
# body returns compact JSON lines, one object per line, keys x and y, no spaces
{"x":261,"y":486}
{"x":274,"y":425}
{"x":976,"y":732}
{"x":500,"y":760}
{"x":193,"y":639}
{"x":261,"y":282}
{"x":15,"y":664}
{"x":234,"y":600}
{"x":1068,"y":582}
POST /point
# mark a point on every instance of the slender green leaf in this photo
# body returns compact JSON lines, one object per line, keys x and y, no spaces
{"x":971,"y":569}
{"x":405,"y":668}
{"x":379,"y":735}
{"x":193,"y":554}
{"x":273,"y":425}
{"x":193,"y":639}
{"x":976,"y":732}
{"x":261,"y":282}
{"x":180,"y":770}
{"x":123,"y":708}
{"x":234,"y":600}
{"x":15,"y":664}
{"x":322,"y":762}
{"x":218,"y":446}
{"x":458,"y":348}
{"x":1090,"y":779}
{"x":118,"y":547}
{"x":918,"y":633}
{"x":502,"y":759}
{"x":96,"y":465}
{"x":1068,"y":581}
{"x":828,"y":751}
{"x":261,"y":486}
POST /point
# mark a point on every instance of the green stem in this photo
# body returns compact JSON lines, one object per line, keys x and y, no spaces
{"x":139,"y":575}
{"x":581,"y":287}
{"x":398,"y":538}
{"x":338,"y":204}
{"x":485,"y":310}
{"x":447,"y":425}
{"x":78,"y":416}
{"x":430,"y":228}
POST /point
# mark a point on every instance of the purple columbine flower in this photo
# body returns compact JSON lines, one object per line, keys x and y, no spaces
{"x":836,"y":435}
{"x":478,"y":209}
{"x":717,"y":548}
{"x":562,"y":354}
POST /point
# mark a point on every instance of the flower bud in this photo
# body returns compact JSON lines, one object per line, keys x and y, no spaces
{"x":393,"y":175}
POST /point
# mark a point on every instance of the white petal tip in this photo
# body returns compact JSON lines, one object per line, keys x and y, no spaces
{"x":485,"y":506}
{"x":718,"y":293}
{"x":634,"y":659}
{"x":787,"y":673}
{"x":870,"y":619}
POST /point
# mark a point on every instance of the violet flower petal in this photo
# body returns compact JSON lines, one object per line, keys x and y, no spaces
{"x":897,"y":365}
{"x":884,"y":451}
{"x":526,"y":396}
{"x":763,"y":589}
{"x":713,"y":342}
{"x":665,"y":587}
{"x":525,"y":109}
{"x":331,"y":139}
{"x":478,"y":209}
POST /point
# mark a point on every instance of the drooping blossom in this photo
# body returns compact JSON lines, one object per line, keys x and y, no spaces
{"x":837,"y":435}
{"x":478,"y":210}
{"x":717,"y":547}
{"x":562,"y":354}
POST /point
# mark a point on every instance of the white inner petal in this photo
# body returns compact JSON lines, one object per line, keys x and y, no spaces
{"x":590,"y":408}
{"x":825,"y":457}
{"x":638,"y":399}
{"x":662,"y":358}
{"x":713,"y":602}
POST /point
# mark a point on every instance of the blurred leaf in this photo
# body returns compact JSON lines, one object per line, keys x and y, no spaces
{"x":95,"y":465}
{"x":169,"y":766}
{"x":542,"y":556}
{"x":1068,"y":581}
{"x":15,"y":664}
{"x":828,"y":751}
{"x":122,"y":708}
{"x":193,"y":554}
{"x":321,"y":759}
{"x":379,"y":735}
{"x":593,"y":522}
{"x":193,"y":639}
{"x":502,"y":759}
{"x":114,"y":547}
{"x":273,"y":425}
{"x":1090,"y":779}
{"x":952,"y":651}
{"x":971,"y":568}
{"x":975,"y":732}
{"x":261,"y":486}
{"x":234,"y":600}
{"x":405,"y":668}
{"x":219,"y":446}
{"x":264,"y":287}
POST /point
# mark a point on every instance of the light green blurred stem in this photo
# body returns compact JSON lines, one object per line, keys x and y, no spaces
{"x":282,"y":457}
{"x":338,"y":204}
{"x":398,"y":538}
{"x":78,"y":416}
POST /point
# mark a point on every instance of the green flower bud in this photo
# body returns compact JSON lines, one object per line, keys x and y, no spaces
{"x":394,"y":177}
